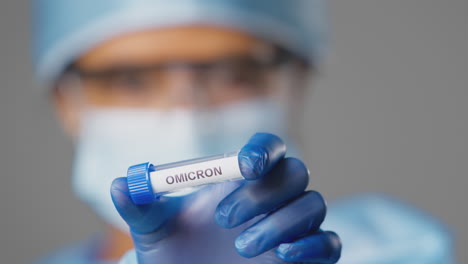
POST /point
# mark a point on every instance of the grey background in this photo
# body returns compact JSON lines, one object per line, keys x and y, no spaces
{"x":389,"y":114}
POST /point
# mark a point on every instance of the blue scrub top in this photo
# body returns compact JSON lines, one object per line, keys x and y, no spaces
{"x":374,"y":229}
{"x":83,"y":252}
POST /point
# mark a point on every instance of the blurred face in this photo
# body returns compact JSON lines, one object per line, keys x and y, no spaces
{"x":182,"y":67}
{"x":167,"y":95}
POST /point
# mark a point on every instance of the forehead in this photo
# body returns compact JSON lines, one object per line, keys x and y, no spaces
{"x":193,"y":43}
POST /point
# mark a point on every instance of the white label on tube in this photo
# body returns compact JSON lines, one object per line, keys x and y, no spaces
{"x":218,"y":170}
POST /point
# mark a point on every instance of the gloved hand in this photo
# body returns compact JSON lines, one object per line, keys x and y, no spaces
{"x":269,"y":218}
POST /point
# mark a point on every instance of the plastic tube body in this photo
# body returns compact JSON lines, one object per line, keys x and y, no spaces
{"x":147,"y":181}
{"x":180,"y":175}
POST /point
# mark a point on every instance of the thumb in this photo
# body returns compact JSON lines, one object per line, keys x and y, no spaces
{"x":142,"y":219}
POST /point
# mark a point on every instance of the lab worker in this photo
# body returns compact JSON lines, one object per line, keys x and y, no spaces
{"x":164,"y":81}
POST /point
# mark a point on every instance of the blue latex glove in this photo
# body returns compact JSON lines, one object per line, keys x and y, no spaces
{"x":269,"y":218}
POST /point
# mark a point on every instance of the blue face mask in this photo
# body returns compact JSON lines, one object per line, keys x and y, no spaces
{"x":111,"y":140}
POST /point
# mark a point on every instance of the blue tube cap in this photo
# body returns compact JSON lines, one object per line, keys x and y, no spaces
{"x":139,"y":183}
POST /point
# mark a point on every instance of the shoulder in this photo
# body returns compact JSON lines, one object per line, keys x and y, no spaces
{"x":376,"y":226}
{"x":76,"y":253}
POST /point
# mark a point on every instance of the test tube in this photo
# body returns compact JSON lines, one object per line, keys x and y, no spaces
{"x":147,"y":182}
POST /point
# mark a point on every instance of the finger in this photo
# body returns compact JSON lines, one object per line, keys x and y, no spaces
{"x":287,"y":180}
{"x":322,"y":247}
{"x":260,"y":154}
{"x":141,"y":218}
{"x":299,"y":217}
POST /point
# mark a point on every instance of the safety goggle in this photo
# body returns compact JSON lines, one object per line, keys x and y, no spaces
{"x":239,"y":76}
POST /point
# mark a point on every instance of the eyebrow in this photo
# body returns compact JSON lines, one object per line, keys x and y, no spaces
{"x":247,"y":59}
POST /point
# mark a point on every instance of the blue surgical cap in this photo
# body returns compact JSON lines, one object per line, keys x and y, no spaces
{"x":63,"y":30}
